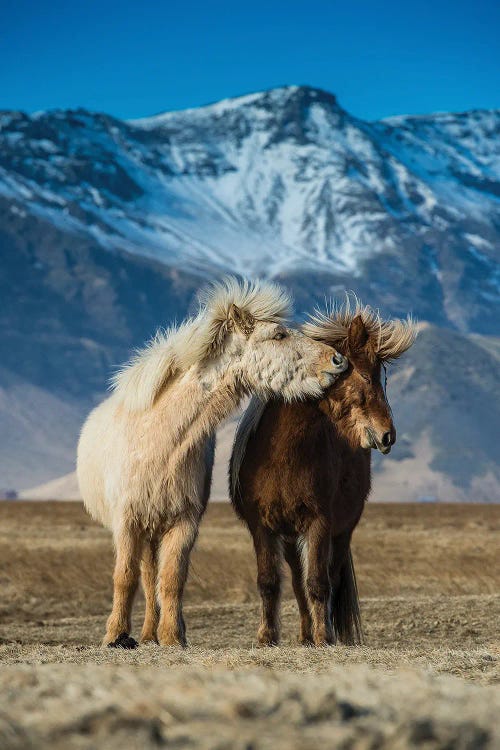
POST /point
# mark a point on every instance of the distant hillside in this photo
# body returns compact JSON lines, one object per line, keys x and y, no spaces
{"x":445,"y":395}
{"x":108,"y":227}
{"x":446,"y":399}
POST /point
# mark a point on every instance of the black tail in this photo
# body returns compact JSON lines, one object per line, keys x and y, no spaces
{"x":345,"y":607}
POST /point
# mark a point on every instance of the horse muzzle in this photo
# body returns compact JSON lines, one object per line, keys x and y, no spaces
{"x":383,"y":442}
{"x":335,"y":367}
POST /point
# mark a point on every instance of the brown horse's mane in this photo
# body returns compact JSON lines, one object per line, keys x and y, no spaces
{"x":389,"y":339}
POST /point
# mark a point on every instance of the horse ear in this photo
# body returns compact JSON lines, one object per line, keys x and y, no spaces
{"x":357,"y":335}
{"x":242,"y":319}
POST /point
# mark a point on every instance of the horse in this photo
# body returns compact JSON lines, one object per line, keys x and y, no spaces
{"x":300,"y":475}
{"x":145,"y":454}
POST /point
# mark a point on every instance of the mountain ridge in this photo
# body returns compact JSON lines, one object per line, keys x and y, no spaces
{"x":246,"y":98}
{"x":274,"y":183}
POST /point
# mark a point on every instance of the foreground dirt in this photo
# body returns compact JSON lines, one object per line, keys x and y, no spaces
{"x":429,"y":578}
{"x":124,"y":707}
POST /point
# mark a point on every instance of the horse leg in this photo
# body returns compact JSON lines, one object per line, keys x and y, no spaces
{"x":318,"y":580}
{"x":175,"y":549}
{"x":293,"y":558}
{"x":149,"y":575}
{"x":268,"y":551}
{"x":128,"y":544}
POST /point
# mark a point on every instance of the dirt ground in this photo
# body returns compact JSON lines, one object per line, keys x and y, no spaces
{"x":429,"y":579}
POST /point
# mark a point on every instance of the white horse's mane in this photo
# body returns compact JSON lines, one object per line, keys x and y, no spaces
{"x":390,"y":338}
{"x":173,"y":351}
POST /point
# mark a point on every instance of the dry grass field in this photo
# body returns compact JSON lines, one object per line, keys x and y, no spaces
{"x":429,"y":579}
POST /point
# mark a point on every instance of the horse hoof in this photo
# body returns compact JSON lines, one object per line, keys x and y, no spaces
{"x":172,"y":639}
{"x":149,"y":639}
{"x":124,"y":640}
{"x":173,"y":643}
{"x":267,"y":641}
{"x":307,"y":642}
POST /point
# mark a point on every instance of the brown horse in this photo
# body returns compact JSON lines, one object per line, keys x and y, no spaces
{"x":300,"y":475}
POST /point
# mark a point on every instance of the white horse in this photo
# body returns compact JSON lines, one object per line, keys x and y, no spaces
{"x":145,"y":454}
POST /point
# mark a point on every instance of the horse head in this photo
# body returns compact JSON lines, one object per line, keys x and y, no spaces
{"x":357,"y":402}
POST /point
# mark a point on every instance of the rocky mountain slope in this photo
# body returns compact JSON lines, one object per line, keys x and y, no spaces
{"x":107,"y":228}
{"x":282,"y":183}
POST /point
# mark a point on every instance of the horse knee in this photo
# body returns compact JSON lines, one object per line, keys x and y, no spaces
{"x":318,"y":588}
{"x":125,"y":576}
{"x":269,"y":586}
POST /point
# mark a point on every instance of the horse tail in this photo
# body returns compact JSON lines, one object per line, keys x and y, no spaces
{"x":345,"y":606}
{"x":246,"y":428}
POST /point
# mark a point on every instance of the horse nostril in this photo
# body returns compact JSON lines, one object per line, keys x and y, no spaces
{"x":386,"y":439}
{"x":338,"y":359}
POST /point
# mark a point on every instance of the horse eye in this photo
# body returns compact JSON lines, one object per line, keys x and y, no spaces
{"x":278,"y":336}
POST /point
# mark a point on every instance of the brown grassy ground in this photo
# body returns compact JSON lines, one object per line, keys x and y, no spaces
{"x":429,"y":578}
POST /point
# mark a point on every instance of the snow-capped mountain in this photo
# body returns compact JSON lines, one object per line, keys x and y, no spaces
{"x":279,"y":183}
{"x":108,"y":227}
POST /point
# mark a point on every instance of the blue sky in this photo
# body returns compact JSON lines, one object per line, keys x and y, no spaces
{"x":134,"y":58}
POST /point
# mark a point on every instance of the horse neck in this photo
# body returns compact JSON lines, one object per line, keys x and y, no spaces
{"x":193,"y":407}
